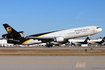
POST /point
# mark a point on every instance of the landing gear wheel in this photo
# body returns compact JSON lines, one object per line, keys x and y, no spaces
{"x":48,"y":44}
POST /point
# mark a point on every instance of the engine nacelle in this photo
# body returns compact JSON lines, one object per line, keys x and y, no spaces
{"x":14,"y":35}
{"x":59,"y":39}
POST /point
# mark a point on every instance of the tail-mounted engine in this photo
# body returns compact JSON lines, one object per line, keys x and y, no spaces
{"x":14,"y":35}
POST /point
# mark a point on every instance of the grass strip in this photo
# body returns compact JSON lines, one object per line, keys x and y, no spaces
{"x":51,"y":52}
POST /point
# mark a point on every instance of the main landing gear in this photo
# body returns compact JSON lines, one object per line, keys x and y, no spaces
{"x":48,"y":44}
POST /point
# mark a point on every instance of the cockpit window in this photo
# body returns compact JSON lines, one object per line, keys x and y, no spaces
{"x":98,"y":27}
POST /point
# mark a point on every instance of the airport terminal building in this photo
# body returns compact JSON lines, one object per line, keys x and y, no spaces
{"x":3,"y":42}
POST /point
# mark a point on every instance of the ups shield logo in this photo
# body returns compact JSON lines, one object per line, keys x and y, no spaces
{"x":9,"y":29}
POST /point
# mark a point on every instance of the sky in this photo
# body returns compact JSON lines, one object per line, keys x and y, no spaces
{"x":38,"y":16}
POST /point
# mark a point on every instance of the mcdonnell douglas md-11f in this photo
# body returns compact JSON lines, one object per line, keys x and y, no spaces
{"x":60,"y":36}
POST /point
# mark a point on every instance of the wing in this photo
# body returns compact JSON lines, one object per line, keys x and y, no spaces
{"x":41,"y":38}
{"x":48,"y":39}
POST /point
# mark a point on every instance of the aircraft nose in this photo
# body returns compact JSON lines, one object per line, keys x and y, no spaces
{"x":100,"y":29}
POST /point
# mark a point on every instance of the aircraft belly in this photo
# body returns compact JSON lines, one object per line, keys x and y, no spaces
{"x":32,"y":42}
{"x":36,"y":41}
{"x":27,"y":42}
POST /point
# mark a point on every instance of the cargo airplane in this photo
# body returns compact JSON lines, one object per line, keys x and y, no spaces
{"x":97,"y":41}
{"x":78,"y":42}
{"x":60,"y":36}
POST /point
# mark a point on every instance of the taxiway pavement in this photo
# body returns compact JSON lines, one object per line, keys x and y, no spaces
{"x":10,"y":62}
